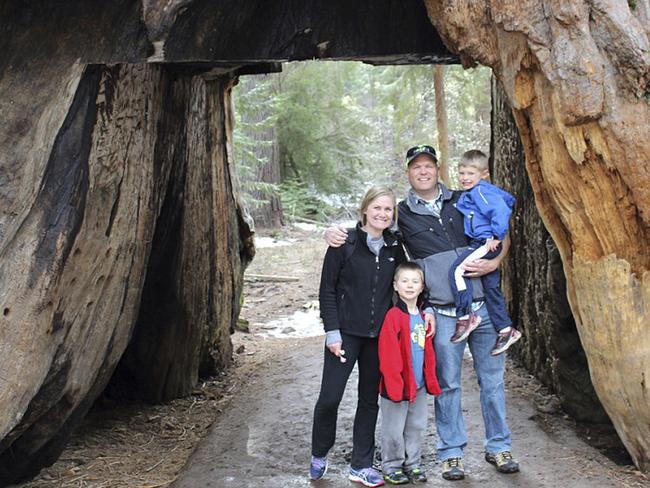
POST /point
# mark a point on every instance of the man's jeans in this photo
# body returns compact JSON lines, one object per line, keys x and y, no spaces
{"x":489,"y":369}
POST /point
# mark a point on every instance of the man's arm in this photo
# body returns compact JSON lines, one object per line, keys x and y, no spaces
{"x":480,"y":267}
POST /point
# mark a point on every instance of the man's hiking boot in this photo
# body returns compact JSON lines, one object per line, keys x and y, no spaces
{"x":505,"y":340}
{"x":452,"y":469}
{"x":503,"y":461}
{"x":464,"y":328}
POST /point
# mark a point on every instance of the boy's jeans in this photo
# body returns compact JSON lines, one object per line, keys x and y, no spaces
{"x":463,"y":289}
{"x":489,"y":369}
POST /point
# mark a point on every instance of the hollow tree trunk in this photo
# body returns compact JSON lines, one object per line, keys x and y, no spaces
{"x":115,"y":181}
{"x":77,"y":238}
{"x":533,"y":279}
{"x":577,"y":77}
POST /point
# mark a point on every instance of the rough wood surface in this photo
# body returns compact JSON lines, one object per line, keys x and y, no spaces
{"x":116,"y":212}
{"x":137,"y":143}
{"x":577,"y":75}
{"x":534,"y":282}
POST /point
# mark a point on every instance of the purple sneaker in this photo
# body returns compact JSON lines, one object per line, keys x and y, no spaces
{"x":366,"y":476}
{"x":317,"y":468}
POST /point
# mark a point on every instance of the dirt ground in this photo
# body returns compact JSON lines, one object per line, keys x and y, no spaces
{"x":250,"y":426}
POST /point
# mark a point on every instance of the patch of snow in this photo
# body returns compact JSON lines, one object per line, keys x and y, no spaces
{"x":348,"y":224}
{"x":303,"y":323}
{"x":263,"y":241}
{"x":305,"y":226}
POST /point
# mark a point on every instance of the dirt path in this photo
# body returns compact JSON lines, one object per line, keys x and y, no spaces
{"x":263,"y":437}
{"x":261,"y":411}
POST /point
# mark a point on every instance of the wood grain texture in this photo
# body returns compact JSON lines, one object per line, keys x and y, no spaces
{"x":533,"y":280}
{"x":577,"y":76}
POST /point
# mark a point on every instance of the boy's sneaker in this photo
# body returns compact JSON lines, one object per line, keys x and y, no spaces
{"x":452,"y":469}
{"x":317,"y":468}
{"x":503,"y":461}
{"x":366,"y":476}
{"x":417,"y":475}
{"x":464,"y":328}
{"x":505,"y":340}
{"x":396,"y":478}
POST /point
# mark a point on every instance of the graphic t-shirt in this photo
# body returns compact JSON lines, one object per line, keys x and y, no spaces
{"x":418,"y":334}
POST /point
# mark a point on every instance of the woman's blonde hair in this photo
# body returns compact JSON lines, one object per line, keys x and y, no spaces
{"x":371,"y":195}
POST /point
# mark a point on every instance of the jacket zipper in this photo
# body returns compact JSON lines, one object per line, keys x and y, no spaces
{"x":374,"y":291}
{"x":451,"y":243}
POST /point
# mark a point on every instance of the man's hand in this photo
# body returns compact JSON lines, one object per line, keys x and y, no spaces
{"x":337,"y":351}
{"x":480,"y":267}
{"x":335,"y":235}
{"x":430,"y":324}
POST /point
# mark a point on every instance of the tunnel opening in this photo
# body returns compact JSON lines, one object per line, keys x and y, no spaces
{"x":163,"y":100}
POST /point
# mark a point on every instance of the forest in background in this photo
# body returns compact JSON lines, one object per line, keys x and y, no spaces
{"x":311,"y":139}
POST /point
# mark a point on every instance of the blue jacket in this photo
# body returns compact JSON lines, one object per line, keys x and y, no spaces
{"x":487,"y":210}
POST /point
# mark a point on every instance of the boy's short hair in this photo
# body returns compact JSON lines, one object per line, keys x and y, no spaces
{"x":475,"y":159}
{"x":409,"y":266}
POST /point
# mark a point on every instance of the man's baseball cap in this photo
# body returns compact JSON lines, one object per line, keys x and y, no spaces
{"x":416,"y":151}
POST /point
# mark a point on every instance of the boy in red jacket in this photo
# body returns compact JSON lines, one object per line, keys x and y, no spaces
{"x":407,"y":365}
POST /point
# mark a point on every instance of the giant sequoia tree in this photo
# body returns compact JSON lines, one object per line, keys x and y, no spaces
{"x":121,"y":234}
{"x":120,"y":225}
{"x":577,"y":75}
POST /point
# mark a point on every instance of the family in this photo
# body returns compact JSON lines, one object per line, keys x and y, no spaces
{"x":439,"y":250}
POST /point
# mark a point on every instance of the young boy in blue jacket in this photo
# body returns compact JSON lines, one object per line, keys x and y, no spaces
{"x":487,"y":210}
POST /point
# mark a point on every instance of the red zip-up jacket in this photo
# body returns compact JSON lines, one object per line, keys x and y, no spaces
{"x":397,"y":382}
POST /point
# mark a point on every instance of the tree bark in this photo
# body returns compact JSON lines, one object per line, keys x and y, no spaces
{"x":266,"y":210}
{"x":533,"y":280}
{"x":441,"y":122}
{"x":577,"y":77}
{"x":76,"y":248}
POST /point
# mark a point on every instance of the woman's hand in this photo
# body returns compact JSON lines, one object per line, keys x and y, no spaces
{"x":337,"y":351}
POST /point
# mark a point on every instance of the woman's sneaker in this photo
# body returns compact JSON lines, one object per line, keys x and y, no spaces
{"x":396,"y":478}
{"x":505,"y":340}
{"x":366,"y":476}
{"x":317,"y":468}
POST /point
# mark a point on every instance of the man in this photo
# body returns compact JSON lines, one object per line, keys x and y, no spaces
{"x":433,"y":232}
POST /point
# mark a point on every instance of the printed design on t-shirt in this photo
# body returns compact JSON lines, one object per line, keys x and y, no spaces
{"x":418,"y":334}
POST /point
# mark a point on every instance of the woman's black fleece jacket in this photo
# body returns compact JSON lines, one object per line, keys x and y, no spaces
{"x":356,"y":286}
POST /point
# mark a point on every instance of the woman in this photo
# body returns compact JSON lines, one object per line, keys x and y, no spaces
{"x":355,"y":294}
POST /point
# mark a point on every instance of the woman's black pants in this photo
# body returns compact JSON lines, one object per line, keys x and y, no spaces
{"x":362,"y":350}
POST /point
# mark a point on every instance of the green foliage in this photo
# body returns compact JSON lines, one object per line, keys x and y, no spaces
{"x":299,"y":200}
{"x":344,"y":126}
{"x":320,"y":128}
{"x":255,"y":103}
